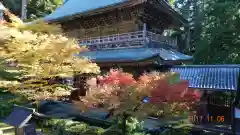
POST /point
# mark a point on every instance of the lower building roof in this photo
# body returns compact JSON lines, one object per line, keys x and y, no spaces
{"x":215,"y":77}
{"x":134,"y":54}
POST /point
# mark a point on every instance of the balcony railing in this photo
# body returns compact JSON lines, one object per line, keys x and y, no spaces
{"x":163,"y":39}
{"x":126,"y":40}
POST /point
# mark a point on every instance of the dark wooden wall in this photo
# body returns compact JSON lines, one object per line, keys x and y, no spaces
{"x":117,"y":21}
{"x":156,"y":20}
{"x":80,"y":85}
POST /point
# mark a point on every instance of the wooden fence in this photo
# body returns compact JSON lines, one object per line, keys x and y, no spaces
{"x":218,"y":109}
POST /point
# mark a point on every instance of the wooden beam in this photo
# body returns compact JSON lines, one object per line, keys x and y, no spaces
{"x":19,"y":131}
{"x":175,"y":18}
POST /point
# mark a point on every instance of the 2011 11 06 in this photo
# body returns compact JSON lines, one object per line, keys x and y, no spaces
{"x":197,"y":118}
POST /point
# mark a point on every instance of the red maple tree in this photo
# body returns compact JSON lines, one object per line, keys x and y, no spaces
{"x":120,"y":90}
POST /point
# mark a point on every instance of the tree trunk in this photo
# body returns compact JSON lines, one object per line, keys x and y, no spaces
{"x":124,"y":123}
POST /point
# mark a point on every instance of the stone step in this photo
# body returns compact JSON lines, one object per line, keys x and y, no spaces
{"x":6,"y":129}
{"x":11,"y":133}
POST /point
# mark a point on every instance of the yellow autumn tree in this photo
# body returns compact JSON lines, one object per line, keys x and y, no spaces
{"x":38,"y":52}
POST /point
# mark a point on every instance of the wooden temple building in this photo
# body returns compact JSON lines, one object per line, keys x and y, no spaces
{"x":123,"y":33}
{"x":129,"y":34}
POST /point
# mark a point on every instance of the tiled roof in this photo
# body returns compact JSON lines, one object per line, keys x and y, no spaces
{"x":19,"y":117}
{"x":72,"y":7}
{"x":218,"y":77}
{"x":136,"y":54}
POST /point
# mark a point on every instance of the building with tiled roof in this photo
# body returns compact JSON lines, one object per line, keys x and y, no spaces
{"x":123,"y":32}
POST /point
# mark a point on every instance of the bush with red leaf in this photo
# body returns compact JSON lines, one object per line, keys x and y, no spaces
{"x":117,"y":77}
{"x":120,"y":90}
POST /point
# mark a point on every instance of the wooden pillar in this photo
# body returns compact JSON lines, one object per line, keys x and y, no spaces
{"x":187,"y":38}
{"x":24,"y":9}
{"x":144,"y":30}
{"x":80,"y":85}
{"x":19,"y":131}
{"x":203,"y":109}
{"x":145,"y":34}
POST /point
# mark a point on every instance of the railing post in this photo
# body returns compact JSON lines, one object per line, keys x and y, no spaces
{"x":175,"y":41}
{"x":145,"y":34}
{"x":144,"y":30}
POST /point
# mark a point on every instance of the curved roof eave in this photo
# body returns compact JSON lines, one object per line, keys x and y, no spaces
{"x":76,"y":7}
{"x":73,"y":7}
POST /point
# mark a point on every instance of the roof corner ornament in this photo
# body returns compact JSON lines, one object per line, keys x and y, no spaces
{"x":2,"y":8}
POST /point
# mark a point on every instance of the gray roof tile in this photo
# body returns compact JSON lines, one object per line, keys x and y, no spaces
{"x":19,"y":117}
{"x":221,"y":77}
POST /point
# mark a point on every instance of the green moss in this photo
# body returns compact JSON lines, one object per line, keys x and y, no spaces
{"x":69,"y":127}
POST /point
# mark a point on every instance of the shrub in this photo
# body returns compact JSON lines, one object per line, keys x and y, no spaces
{"x":133,"y":127}
{"x":69,"y":127}
{"x":165,"y":94}
{"x":117,"y":77}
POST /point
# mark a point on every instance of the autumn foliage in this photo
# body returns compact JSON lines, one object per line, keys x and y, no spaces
{"x":150,"y":93}
{"x":39,"y":52}
{"x":116,"y":77}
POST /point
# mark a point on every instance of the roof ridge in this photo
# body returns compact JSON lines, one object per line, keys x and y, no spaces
{"x":71,"y":6}
{"x":209,"y":65}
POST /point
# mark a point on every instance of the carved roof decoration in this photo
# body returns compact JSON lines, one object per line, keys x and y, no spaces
{"x":77,"y":8}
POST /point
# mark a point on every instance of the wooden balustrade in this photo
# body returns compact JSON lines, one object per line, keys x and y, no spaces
{"x":160,"y":38}
{"x":126,"y":40}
